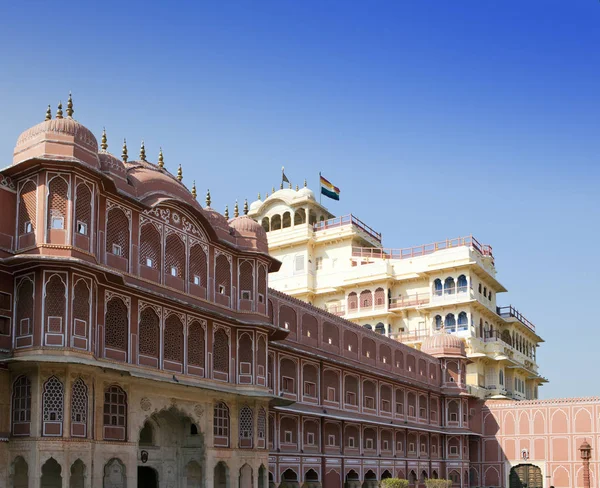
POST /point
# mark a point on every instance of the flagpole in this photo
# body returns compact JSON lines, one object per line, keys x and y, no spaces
{"x":320,"y":193}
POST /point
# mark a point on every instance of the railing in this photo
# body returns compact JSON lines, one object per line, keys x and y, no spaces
{"x":423,"y":250}
{"x":339,"y":310}
{"x":511,"y":311}
{"x":411,"y":335}
{"x":347,"y":220}
{"x":415,"y":300}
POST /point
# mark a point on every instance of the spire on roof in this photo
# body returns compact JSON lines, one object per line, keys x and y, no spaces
{"x":161,"y":159}
{"x":104,"y":144}
{"x":194,"y":193}
{"x":297,"y":188}
{"x":124,"y":156}
{"x":304,"y":182}
{"x":236,"y":210}
{"x":70,"y":110}
{"x":207,"y":198}
{"x":259,"y":195}
{"x":246,"y":206}
{"x":142,"y":152}
{"x":59,"y":111}
{"x":48,"y":113}
{"x":179,"y":173}
{"x":226,"y":212}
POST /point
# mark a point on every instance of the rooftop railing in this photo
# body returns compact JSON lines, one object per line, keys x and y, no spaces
{"x":407,"y":301}
{"x":347,"y":220}
{"x":423,"y":250}
{"x":511,"y":311}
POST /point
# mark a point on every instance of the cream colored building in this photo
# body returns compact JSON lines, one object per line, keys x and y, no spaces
{"x":340,"y":264}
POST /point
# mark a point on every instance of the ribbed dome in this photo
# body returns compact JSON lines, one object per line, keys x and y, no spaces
{"x":111,"y":164}
{"x":251,"y":232}
{"x":65,"y":126}
{"x":443,"y":345}
{"x":217,"y":220}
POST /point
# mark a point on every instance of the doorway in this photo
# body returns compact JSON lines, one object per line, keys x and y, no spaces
{"x":147,"y":477}
{"x":525,"y":476}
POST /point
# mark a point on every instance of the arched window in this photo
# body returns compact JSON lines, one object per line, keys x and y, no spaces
{"x":276,"y":222}
{"x":79,"y":408}
{"x":501,"y":377}
{"x":449,"y":286}
{"x":221,"y":351}
{"x":287,"y":220}
{"x":450,"y":322}
{"x":149,"y":333}
{"x":223,"y":276}
{"x":245,"y":353}
{"x":379,"y":297}
{"x":352,"y":301}
{"x":21,"y":406}
{"x":146,"y":435}
{"x":173,"y":340}
{"x":368,"y":326}
{"x":28,"y":208}
{"x":54,"y":305}
{"x":246,"y":427}
{"x":117,"y":233}
{"x":116,"y":325}
{"x":83,"y":210}
{"x":150,"y":248}
{"x":438,"y":322}
{"x":221,"y":425}
{"x":25,"y":307}
{"x":175,"y":256}
{"x":265,"y":224}
{"x":366,"y":299}
{"x":115,"y":413}
{"x":81,"y":312}
{"x":300,"y":217}
{"x":198,"y":266}
{"x":262,"y":283}
{"x":246,"y":284}
{"x":261,"y":423}
{"x":463,"y":321}
{"x":196,"y":344}
{"x":58,"y":200}
{"x":380,"y":328}
{"x":53,"y":407}
{"x":462,"y":284}
{"x":438,"y":288}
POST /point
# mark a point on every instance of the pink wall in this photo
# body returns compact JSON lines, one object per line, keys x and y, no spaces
{"x":549,"y":431}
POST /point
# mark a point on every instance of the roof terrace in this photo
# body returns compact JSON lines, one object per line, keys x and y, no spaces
{"x":344,"y":221}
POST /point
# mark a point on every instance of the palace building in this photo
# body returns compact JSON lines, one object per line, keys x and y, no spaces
{"x":339,"y":264}
{"x":142,"y":342}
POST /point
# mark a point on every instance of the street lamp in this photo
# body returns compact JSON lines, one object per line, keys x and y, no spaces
{"x":586,"y":454}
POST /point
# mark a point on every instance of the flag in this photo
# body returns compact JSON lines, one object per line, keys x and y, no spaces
{"x":284,"y":178}
{"x":328,"y":189}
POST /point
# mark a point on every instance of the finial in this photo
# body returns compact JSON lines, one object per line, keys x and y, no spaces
{"x":142,"y":152}
{"x":266,"y":195}
{"x":194,"y":193}
{"x":226,"y":212}
{"x":124,"y":154}
{"x":290,"y":185}
{"x":161,"y":159}
{"x":59,"y":111}
{"x":48,"y":113}
{"x":273,"y":190}
{"x":297,"y":188}
{"x":259,"y":195}
{"x":179,"y":173}
{"x":236,"y":210}
{"x":70,"y":106}
{"x":207,"y":198}
{"x":304,"y":182}
{"x":246,"y":206}
{"x":281,"y":186}
{"x":104,"y":144}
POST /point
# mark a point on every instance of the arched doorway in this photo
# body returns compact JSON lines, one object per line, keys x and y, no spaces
{"x":147,"y":477}
{"x":525,"y":476}
{"x":51,"y":477}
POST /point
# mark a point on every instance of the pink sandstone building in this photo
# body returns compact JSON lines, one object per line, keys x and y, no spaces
{"x":141,"y":345}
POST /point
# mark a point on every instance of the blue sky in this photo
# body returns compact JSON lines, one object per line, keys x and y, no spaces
{"x":436,"y":119}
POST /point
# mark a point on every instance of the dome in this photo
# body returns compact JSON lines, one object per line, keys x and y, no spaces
{"x":217,"y":220}
{"x":304,"y":193}
{"x":63,"y":138}
{"x":111,"y":164}
{"x":444,"y":345}
{"x":251,"y":233}
{"x":255,"y":205}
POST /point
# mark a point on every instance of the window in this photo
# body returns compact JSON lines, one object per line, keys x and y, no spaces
{"x":288,"y":437}
{"x":221,"y":421}
{"x":310,"y":439}
{"x":57,"y":223}
{"x":27,"y":227}
{"x":369,"y":402}
{"x":384,"y":445}
{"x":287,"y":384}
{"x":330,"y":394}
{"x":319,"y":263}
{"x":197,"y":280}
{"x":369,"y":443}
{"x":245,"y":295}
{"x":400,"y":408}
{"x":21,"y":401}
{"x":399,"y":446}
{"x":411,"y":447}
{"x":423,"y":448}
{"x":385,"y":405}
{"x":501,"y":377}
{"x":422,"y":413}
{"x":299,"y":263}
{"x":350,"y":398}
{"x":310,"y":389}
{"x":53,"y":400}
{"x":174,"y":271}
{"x":115,"y":413}
{"x":116,"y":250}
{"x":434,"y":449}
{"x":221,"y":290}
{"x":351,"y":442}
{"x":246,"y":423}
{"x":453,"y":450}
{"x":331,"y":440}
{"x":82,"y":228}
{"x":149,"y":262}
{"x":79,"y":402}
{"x":453,"y":417}
{"x":411,"y":411}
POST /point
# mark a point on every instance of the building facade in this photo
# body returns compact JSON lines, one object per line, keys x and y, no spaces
{"x":141,"y":345}
{"x":339,"y":264}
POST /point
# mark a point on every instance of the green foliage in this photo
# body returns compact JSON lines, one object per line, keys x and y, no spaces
{"x":394,"y":483}
{"x":430,"y":483}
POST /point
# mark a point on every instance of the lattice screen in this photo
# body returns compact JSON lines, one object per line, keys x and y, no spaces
{"x":221,"y":351}
{"x":196,"y":344}
{"x":366,"y":298}
{"x":245,"y":348}
{"x":246,"y":423}
{"x":58,"y":198}
{"x":150,"y":246}
{"x":79,"y":401}
{"x":223,"y":275}
{"x":173,"y":339}
{"x":117,"y":231}
{"x":198,"y":264}
{"x":149,"y":332}
{"x":116,"y":324}
{"x":262,"y":280}
{"x":246,"y":279}
{"x":175,"y":256}
{"x":25,"y":307}
{"x":53,"y":399}
{"x":83,"y":205}
{"x":54,"y":304}
{"x":28,"y":206}
{"x":261,"y":423}
{"x":81,"y":301}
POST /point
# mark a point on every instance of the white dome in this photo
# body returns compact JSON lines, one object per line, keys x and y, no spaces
{"x":304,"y":193}
{"x":255,"y":205}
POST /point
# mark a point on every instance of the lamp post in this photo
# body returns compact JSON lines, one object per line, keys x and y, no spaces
{"x":586,"y":454}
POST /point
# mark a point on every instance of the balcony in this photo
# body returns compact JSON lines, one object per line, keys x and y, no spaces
{"x":411,"y":335}
{"x":511,"y":312}
{"x":344,"y":221}
{"x":422,"y":250}
{"x":410,"y":301}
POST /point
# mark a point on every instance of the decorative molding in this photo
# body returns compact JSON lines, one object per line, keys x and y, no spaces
{"x":145,"y":404}
{"x":169,"y":312}
{"x":110,"y":204}
{"x":157,"y":308}
{"x":109,"y":295}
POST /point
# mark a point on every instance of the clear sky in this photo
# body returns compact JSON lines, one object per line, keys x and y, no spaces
{"x":436,"y":119}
